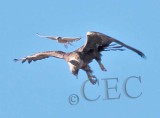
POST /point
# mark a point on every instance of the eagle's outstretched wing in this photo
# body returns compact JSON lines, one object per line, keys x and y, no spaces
{"x":42,"y":55}
{"x":101,"y":42}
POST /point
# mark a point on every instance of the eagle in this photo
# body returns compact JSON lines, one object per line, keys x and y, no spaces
{"x":80,"y":58}
{"x":63,"y":40}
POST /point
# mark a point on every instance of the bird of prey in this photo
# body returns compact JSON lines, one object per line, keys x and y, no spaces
{"x":63,"y":40}
{"x":79,"y":59}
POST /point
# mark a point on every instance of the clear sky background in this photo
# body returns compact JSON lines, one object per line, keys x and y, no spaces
{"x":42,"y":89}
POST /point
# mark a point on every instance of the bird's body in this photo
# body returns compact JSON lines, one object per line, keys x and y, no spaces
{"x":80,"y":58}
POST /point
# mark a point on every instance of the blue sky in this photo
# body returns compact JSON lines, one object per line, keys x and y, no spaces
{"x":42,"y":89}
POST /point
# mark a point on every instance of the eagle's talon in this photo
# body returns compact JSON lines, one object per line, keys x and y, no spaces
{"x":92,"y":80}
{"x":104,"y":69}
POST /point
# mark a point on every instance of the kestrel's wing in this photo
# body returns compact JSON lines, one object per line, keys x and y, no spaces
{"x":69,"y":40}
{"x":49,"y":37}
{"x":42,"y":55}
{"x":100,"y":42}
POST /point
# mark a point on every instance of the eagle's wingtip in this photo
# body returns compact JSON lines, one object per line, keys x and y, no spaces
{"x":15,"y":60}
{"x":144,"y":56}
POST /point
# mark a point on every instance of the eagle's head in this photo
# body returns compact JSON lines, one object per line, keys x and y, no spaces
{"x":74,"y":63}
{"x":59,"y":38}
{"x":74,"y":67}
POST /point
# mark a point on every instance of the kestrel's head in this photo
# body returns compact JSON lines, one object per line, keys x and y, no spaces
{"x":59,"y":38}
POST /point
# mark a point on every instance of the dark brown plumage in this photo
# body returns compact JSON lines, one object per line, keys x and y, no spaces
{"x":79,"y":59}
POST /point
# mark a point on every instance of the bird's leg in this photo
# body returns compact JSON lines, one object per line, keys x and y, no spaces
{"x":89,"y":74}
{"x":65,"y":45}
{"x":70,"y":43}
{"x":101,"y":65}
{"x":98,"y":59}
